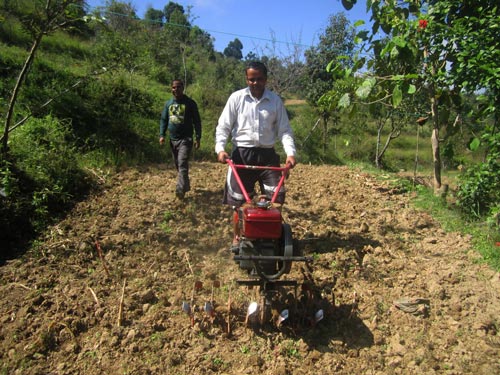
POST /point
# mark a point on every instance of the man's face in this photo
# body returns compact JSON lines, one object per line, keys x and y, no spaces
{"x":256,"y":81}
{"x":177,"y":89}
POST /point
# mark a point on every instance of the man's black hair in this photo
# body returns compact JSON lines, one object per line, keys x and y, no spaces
{"x":257,"y":65}
{"x":178,"y":80}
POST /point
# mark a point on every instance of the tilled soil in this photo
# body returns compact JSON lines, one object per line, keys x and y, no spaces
{"x":104,"y":291}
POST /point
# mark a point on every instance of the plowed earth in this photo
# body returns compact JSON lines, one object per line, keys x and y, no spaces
{"x":103,"y":292}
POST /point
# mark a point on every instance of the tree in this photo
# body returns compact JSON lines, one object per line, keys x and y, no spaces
{"x":336,"y":40}
{"x":121,"y":16}
{"x":169,"y":10}
{"x":168,"y":46}
{"x":155,"y":17}
{"x":285,"y":65}
{"x":201,"y":39}
{"x":178,"y":25}
{"x":48,"y":16}
{"x":446,"y":54}
{"x":234,"y":49}
{"x":251,"y":56}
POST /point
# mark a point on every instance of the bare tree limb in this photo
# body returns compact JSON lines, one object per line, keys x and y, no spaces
{"x":61,"y":93}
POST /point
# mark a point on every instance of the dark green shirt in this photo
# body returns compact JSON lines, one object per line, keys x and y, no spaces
{"x":181,"y":118}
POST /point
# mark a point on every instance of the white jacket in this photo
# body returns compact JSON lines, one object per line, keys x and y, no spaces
{"x":254,"y":123}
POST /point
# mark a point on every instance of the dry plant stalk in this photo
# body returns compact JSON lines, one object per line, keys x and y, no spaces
{"x":188,"y":263}
{"x":22,"y":286}
{"x":354,"y":306}
{"x":99,"y":251}
{"x":120,"y":307}
{"x":94,"y":295}
{"x":229,"y":311}
{"x":59,"y":243}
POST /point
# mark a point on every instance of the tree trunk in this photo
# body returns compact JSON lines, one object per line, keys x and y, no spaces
{"x":52,"y":11}
{"x":377,"y":147}
{"x":325,"y":133}
{"x":436,"y":157}
{"x":15,"y":92}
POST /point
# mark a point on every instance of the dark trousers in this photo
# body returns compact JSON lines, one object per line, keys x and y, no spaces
{"x":181,"y":149}
{"x":267,"y":179}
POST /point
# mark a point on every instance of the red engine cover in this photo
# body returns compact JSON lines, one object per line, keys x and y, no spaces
{"x":261,"y":223}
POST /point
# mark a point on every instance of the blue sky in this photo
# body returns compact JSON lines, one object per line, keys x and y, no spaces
{"x":255,"y":22}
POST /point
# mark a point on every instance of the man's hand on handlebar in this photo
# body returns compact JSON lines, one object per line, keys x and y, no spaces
{"x":290,"y":160}
{"x":222,"y":157}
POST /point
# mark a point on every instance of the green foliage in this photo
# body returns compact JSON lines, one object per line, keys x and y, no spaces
{"x":39,"y":181}
{"x":120,"y":17}
{"x":336,"y":42}
{"x":233,"y":49}
{"x":11,"y":31}
{"x":46,"y":155}
{"x":154,"y":17}
{"x":59,"y":43}
{"x":436,"y":48}
{"x":479,"y":190}
{"x":170,"y":8}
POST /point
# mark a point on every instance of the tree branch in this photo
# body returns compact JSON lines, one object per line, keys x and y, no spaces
{"x":37,"y":109}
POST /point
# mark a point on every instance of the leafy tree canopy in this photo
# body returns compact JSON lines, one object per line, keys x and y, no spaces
{"x":336,"y":41}
{"x":169,"y":10}
{"x":155,"y":17}
{"x":234,"y":49}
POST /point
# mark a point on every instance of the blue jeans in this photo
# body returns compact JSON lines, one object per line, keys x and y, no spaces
{"x":181,"y":149}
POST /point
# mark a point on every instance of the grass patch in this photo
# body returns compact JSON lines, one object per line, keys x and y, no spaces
{"x":484,"y":238}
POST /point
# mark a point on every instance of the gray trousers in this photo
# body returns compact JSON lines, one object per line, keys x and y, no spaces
{"x":181,"y":149}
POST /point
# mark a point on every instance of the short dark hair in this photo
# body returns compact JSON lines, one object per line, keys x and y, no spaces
{"x":257,"y":65}
{"x":179,"y":80}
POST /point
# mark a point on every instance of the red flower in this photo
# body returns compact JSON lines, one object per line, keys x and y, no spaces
{"x":422,"y":24}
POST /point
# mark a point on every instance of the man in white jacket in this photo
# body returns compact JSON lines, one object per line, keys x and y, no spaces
{"x":254,"y":118}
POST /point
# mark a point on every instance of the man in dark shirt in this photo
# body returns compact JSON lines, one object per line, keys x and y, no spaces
{"x":182,"y":119}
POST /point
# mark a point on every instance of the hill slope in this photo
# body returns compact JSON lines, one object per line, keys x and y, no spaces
{"x":102,"y":294}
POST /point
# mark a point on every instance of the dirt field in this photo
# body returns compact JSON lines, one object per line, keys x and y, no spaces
{"x":103,"y":292}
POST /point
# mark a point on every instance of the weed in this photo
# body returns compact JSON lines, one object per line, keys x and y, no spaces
{"x":155,"y":336}
{"x":168,"y":216}
{"x":217,"y":362}
{"x":130,"y":191}
{"x":381,"y":308}
{"x":90,"y":354}
{"x":460,"y":333}
{"x":166,"y":228}
{"x":290,"y":349}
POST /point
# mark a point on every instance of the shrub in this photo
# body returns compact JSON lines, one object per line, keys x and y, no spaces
{"x":479,"y":187}
{"x":47,"y":165}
